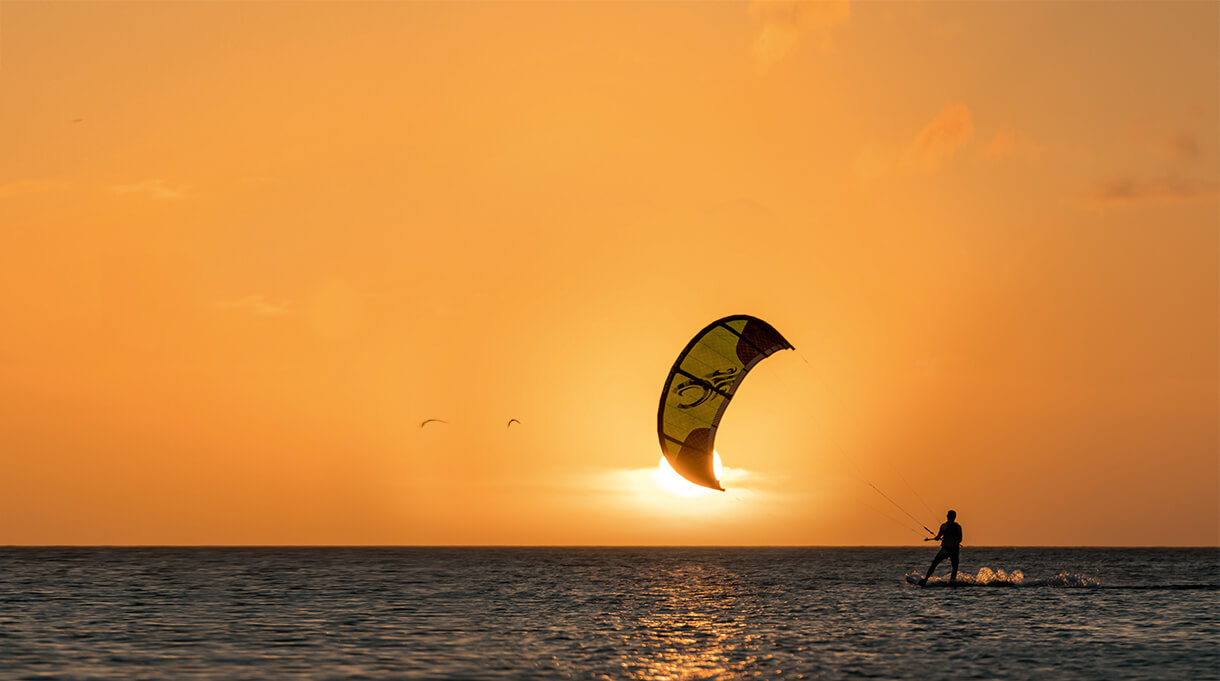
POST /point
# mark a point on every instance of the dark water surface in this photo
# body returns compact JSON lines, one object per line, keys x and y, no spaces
{"x":605,"y":613}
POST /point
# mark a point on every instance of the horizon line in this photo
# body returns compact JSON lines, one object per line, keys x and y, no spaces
{"x":589,"y":546}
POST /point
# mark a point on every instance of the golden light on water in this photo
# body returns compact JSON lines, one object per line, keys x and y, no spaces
{"x":694,"y":628}
{"x":666,"y":478}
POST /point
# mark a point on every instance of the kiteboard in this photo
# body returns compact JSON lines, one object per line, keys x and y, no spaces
{"x":914,"y":579}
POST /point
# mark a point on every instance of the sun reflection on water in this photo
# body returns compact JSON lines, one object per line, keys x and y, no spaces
{"x":692,"y":629}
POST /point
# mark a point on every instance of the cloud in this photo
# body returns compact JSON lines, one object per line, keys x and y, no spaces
{"x":1007,"y":144}
{"x":651,"y":492}
{"x":1184,"y":145}
{"x":949,"y":131}
{"x":660,"y":479}
{"x":1002,"y":146}
{"x":1163,"y":165}
{"x":8,"y":191}
{"x":940,"y":139}
{"x":786,"y":23}
{"x":159,"y":190}
{"x":255,"y":305}
{"x":1172,"y":146}
{"x":1145,"y":190}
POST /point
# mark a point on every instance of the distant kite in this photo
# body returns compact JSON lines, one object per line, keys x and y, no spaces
{"x":511,"y":422}
{"x":427,"y":421}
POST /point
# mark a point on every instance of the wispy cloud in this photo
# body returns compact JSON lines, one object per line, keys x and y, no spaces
{"x":1008,"y":144}
{"x":949,"y":131}
{"x":787,"y":23}
{"x":1148,"y":190}
{"x":663,"y":478}
{"x":159,"y":190}
{"x":1184,"y":145}
{"x":1165,"y":166}
{"x":23,"y":187}
{"x":1168,"y":144}
{"x":1002,"y":146}
{"x":256,"y":305}
{"x":939,"y":140}
{"x":653,"y":491}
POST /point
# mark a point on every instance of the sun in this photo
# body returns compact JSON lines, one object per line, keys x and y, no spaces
{"x":668,"y":479}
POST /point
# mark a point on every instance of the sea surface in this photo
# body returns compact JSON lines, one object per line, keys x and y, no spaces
{"x":606,"y":613}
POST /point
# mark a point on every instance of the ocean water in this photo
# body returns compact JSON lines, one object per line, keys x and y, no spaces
{"x":606,"y":613}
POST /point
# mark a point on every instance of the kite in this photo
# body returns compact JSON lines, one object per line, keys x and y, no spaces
{"x":700,"y":385}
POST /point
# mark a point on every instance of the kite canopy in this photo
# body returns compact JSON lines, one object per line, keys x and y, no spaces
{"x":700,"y":386}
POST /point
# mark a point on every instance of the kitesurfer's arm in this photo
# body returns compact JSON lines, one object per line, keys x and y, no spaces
{"x":940,"y":533}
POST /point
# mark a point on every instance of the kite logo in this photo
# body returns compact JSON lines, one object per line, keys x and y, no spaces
{"x":702,"y":389}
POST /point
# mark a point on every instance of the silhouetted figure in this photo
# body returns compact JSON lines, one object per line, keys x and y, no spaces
{"x":950,"y":537}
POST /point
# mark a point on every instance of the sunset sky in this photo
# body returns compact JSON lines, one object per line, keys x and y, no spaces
{"x":246,"y":248}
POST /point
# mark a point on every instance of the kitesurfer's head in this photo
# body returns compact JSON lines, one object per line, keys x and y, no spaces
{"x":951,"y":515}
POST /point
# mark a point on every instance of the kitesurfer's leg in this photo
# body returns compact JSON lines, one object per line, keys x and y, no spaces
{"x":935,"y":562}
{"x":953,"y":558}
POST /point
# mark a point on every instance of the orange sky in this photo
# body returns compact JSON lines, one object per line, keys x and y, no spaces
{"x":245,"y":248}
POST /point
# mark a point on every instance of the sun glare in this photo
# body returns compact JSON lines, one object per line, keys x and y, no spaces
{"x":666,"y":478}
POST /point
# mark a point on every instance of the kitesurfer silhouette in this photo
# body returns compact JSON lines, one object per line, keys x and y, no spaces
{"x":950,"y":537}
